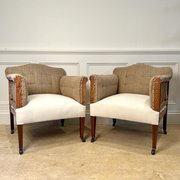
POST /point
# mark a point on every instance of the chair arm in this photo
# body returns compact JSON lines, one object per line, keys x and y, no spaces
{"x":74,"y":87}
{"x":102,"y":86}
{"x":18,"y":92}
{"x":159,"y":91}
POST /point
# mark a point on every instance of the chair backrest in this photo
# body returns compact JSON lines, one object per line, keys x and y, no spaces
{"x":136,"y":78}
{"x":40,"y":78}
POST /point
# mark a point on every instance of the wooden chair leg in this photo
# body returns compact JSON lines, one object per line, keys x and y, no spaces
{"x":20,"y":138}
{"x":12,"y":122}
{"x":165,"y":123}
{"x":82,"y":127}
{"x":62,"y":122}
{"x":114,"y":122}
{"x":154,"y":138}
{"x":93,"y":128}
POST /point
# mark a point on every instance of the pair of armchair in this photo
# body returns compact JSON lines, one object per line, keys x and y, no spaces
{"x":135,"y":93}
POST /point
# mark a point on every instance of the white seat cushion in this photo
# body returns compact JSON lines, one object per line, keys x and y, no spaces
{"x":44,"y":107}
{"x":125,"y":106}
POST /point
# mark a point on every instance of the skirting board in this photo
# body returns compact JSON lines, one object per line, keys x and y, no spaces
{"x":173,"y":118}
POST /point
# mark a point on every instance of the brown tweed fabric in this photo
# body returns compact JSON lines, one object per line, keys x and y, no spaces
{"x":39,"y":78}
{"x":104,"y":86}
{"x":72,"y":86}
{"x":136,"y":78}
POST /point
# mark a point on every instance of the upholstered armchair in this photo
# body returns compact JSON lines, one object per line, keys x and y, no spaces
{"x":41,"y":93}
{"x":136,"y":93}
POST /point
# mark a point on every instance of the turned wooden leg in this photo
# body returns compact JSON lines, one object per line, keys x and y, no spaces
{"x":62,"y":122}
{"x":12,"y":122}
{"x":93,"y":128}
{"x":82,"y":127}
{"x":165,"y":123}
{"x":154,"y":138}
{"x":114,"y":122}
{"x":20,"y":138}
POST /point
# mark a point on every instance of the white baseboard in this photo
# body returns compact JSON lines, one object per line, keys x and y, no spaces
{"x":173,"y":118}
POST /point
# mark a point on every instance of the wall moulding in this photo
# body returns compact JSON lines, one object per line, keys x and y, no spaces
{"x":97,"y":51}
{"x":91,"y":61}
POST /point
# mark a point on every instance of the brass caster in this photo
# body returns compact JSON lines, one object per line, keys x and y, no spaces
{"x":153,"y":151}
{"x":20,"y":151}
{"x":92,"y":139}
{"x":83,"y":139}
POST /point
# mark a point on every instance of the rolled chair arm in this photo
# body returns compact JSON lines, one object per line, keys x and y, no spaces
{"x":102,"y":86}
{"x":12,"y":77}
{"x":159,"y":91}
{"x":74,"y":87}
{"x":18,"y":92}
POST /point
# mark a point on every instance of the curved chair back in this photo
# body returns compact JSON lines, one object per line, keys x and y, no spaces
{"x":136,"y":78}
{"x":40,"y":78}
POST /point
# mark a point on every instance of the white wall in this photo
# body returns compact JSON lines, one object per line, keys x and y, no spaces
{"x":59,"y":24}
{"x":89,"y":63}
{"x":86,"y":37}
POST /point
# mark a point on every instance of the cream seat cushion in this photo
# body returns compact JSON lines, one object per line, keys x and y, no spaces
{"x":126,"y":106}
{"x":44,"y":107}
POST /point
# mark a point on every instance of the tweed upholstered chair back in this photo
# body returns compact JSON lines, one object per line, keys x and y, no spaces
{"x":39,"y":78}
{"x":136,"y":78}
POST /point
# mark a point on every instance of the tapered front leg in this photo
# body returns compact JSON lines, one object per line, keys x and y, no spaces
{"x":20,"y":138}
{"x":82,"y":128}
{"x":12,"y":122}
{"x":154,"y":138}
{"x":93,"y":128}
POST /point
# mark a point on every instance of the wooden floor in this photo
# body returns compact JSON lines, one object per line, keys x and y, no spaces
{"x":122,"y":153}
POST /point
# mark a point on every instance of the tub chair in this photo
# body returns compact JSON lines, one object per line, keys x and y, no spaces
{"x":136,"y":93}
{"x":39,"y":93}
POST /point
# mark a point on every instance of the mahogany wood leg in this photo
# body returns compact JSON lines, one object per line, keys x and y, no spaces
{"x":62,"y":122}
{"x":20,"y":138}
{"x":165,"y":123}
{"x":154,"y":138}
{"x":12,"y":122}
{"x":114,"y":122}
{"x":93,"y":128}
{"x":82,"y":127}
